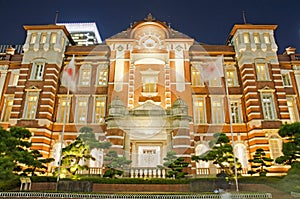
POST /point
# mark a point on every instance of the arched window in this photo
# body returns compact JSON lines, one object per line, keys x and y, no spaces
{"x":240,"y":151}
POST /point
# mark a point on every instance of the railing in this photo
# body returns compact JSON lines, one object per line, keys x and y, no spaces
{"x":141,"y":172}
{"x":91,"y":171}
{"x":202,"y":171}
{"x":11,"y":195}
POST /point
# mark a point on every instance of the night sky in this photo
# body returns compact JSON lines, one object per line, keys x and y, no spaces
{"x":208,"y":22}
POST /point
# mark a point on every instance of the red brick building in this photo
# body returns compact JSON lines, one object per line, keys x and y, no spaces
{"x":143,"y":90}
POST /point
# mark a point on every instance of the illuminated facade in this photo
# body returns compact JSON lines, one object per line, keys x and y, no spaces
{"x":142,"y":90}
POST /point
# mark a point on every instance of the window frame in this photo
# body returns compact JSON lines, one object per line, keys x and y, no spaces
{"x":234,"y":79}
{"x":217,"y":112}
{"x":293,"y":109}
{"x":201,"y":118}
{"x":7,"y":108}
{"x":268,"y":110}
{"x":81,"y":110}
{"x":275,"y":137}
{"x":61,"y":109}
{"x":95,"y":114}
{"x":196,"y":79}
{"x":37,"y":71}
{"x":239,"y":118}
{"x":14,"y":77}
{"x":286,"y":73}
{"x":26,"y":114}
{"x":264,"y":67}
{"x":84,"y":80}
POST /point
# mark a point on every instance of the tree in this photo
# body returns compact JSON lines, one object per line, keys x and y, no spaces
{"x":290,"y":148}
{"x":221,"y":154}
{"x":115,"y":165}
{"x":259,"y":162}
{"x":36,"y":163}
{"x":14,"y":148}
{"x":175,"y":165}
{"x":71,"y":157}
{"x":80,"y":150}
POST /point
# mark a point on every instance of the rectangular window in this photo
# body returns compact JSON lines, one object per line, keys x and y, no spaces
{"x":37,"y":71}
{"x":236,"y":113}
{"x":262,"y":73}
{"x":149,"y":87}
{"x":53,"y":38}
{"x":63,"y":111}
{"x":268,"y":106}
{"x":99,"y":109}
{"x":85,"y":75}
{"x":81,"y":110}
{"x":14,"y":78}
{"x":293,"y":110}
{"x":199,"y":110}
{"x":196,"y":78}
{"x":231,"y":77}
{"x":43,"y":38}
{"x":217,"y":110}
{"x":31,"y":105}
{"x":8,"y":103}
{"x":286,"y":78}
{"x":102,"y":77}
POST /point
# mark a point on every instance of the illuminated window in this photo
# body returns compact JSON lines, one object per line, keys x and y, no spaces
{"x":149,"y":79}
{"x":85,"y":75}
{"x":199,"y":110}
{"x":217,"y":110}
{"x":236,"y":113}
{"x":81,"y":109}
{"x":62,"y":41}
{"x":275,"y":144}
{"x":7,"y":107}
{"x":268,"y":106}
{"x":14,"y":77}
{"x":231,"y":77}
{"x":256,"y":38}
{"x":102,"y":76}
{"x":286,"y":78}
{"x":246,"y":38}
{"x":262,"y":73}
{"x":31,"y":105}
{"x":63,"y":111}
{"x":33,"y":38}
{"x":293,"y":110}
{"x":53,"y":38}
{"x":196,"y":78}
{"x":43,"y":38}
{"x":99,"y":109}
{"x":37,"y":71}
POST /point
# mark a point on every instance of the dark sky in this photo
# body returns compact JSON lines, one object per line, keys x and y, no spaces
{"x":208,"y":21}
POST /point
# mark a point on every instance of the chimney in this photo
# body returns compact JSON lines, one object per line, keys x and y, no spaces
{"x":290,"y":51}
{"x":10,"y":50}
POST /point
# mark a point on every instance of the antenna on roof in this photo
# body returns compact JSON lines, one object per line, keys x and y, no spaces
{"x":244,"y":17}
{"x":56,"y":17}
